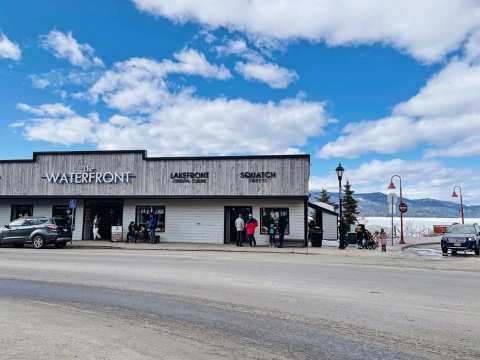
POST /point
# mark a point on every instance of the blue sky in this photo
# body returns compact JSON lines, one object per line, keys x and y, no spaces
{"x":383,"y":88}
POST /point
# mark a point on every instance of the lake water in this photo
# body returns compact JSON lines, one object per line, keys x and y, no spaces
{"x":412,"y":226}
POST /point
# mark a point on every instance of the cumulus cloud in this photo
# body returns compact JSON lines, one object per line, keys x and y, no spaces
{"x":188,"y":126}
{"x":271,"y":74}
{"x":8,"y":49}
{"x":57,"y":124}
{"x":56,"y":109}
{"x":139,"y":84}
{"x":421,"y":179}
{"x":444,"y":115}
{"x":427,"y":29}
{"x":65,"y":46}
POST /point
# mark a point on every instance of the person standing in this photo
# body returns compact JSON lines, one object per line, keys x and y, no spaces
{"x":271,"y":233}
{"x":96,"y":227}
{"x":282,"y":227}
{"x":152,"y":226}
{"x":240,"y":226}
{"x":383,"y":237}
{"x":250,"y":227}
{"x":131,"y":232}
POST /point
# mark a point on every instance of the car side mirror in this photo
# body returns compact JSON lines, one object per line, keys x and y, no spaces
{"x":7,"y":226}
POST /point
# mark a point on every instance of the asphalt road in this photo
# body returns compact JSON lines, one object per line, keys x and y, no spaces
{"x":118,"y":304}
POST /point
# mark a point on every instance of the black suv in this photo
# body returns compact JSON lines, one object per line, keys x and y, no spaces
{"x":39,"y":231}
{"x":461,"y":238}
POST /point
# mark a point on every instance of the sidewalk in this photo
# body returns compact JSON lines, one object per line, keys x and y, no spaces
{"x":328,"y":247}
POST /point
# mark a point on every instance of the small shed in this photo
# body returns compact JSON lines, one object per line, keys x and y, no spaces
{"x":324,"y":217}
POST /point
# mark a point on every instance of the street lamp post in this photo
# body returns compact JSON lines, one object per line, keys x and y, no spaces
{"x":455,"y":195}
{"x":392,"y":187}
{"x":340,"y":170}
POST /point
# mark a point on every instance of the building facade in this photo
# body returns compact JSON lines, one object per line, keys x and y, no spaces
{"x":195,"y":199}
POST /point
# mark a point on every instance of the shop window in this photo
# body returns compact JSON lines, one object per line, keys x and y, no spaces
{"x":19,"y":211}
{"x":143,"y":214}
{"x":63,"y":215}
{"x":276,"y":216}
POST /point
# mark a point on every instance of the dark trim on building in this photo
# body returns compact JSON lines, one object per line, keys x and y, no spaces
{"x":168,"y":197}
{"x":147,"y":158}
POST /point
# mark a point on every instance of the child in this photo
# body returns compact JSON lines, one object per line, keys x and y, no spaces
{"x":271,"y":233}
{"x":383,"y":239}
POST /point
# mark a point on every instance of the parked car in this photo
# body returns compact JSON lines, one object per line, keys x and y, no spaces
{"x":461,"y":237}
{"x":35,"y":230}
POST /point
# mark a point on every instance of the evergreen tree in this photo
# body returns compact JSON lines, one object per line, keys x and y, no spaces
{"x":324,"y":197}
{"x":349,"y":205}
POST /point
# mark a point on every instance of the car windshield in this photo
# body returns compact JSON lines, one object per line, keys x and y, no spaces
{"x":461,"y":229}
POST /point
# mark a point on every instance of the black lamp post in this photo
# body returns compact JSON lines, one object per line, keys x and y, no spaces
{"x":341,"y":226}
{"x":455,"y":195}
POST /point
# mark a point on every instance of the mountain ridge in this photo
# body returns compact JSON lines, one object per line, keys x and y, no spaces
{"x":375,"y":204}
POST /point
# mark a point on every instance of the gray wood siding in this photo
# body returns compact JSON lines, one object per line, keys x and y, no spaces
{"x":24,"y":178}
{"x":202,"y":221}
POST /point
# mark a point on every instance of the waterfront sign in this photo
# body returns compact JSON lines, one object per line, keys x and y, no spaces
{"x":188,"y":177}
{"x":89,"y":175}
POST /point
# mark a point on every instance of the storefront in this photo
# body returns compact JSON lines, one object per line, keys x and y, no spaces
{"x":193,"y":199}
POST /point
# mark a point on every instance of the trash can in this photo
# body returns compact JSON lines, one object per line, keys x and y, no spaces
{"x":316,"y":236}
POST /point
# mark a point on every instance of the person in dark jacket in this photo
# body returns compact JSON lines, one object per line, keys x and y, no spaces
{"x":131,"y":234}
{"x":152,"y":226}
{"x":282,"y":227}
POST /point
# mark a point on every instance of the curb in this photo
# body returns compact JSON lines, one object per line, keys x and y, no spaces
{"x":422,"y":244}
{"x":192,"y":250}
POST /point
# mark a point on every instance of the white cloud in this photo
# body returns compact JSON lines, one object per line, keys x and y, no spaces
{"x":46,"y":109}
{"x":65,"y":46}
{"x":192,"y":125}
{"x":188,"y":126}
{"x":8,"y":49}
{"x":421,"y":179}
{"x":140,"y":84}
{"x":239,"y":48}
{"x":444,"y":116}
{"x":271,"y":74}
{"x":427,"y":29}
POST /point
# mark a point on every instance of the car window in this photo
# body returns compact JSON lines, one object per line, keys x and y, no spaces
{"x":29,"y":222}
{"x":41,"y":221}
{"x":18,"y":222}
{"x":461,"y":229}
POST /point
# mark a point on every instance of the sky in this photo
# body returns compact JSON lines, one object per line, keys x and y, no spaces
{"x":383,"y":87}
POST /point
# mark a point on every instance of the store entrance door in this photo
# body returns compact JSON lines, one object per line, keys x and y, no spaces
{"x":231,"y":214}
{"x":108,"y":212}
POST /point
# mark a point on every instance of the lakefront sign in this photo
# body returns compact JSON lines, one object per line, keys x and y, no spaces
{"x":88,"y":175}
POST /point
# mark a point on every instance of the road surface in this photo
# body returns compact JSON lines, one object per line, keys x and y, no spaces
{"x":119,"y":304}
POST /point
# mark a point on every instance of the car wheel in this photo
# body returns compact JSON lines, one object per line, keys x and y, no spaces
{"x":60,"y":245}
{"x":477,"y":251}
{"x":444,"y":251}
{"x":38,"y":242}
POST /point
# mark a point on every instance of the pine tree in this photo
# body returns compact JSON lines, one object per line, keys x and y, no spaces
{"x":324,"y":197}
{"x":349,"y":205}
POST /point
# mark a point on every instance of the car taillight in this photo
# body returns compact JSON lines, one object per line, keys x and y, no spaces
{"x":52,"y":227}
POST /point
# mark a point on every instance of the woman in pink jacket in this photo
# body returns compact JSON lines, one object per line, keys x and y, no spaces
{"x":383,"y":240}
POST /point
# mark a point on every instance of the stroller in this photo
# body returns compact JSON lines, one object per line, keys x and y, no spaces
{"x":370,"y":241}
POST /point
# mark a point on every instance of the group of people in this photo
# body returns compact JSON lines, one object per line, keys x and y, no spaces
{"x":145,"y":232}
{"x":246,"y":231}
{"x":365,"y":239}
